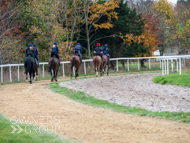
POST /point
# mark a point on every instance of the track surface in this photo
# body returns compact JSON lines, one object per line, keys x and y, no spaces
{"x":135,"y":90}
{"x":85,"y":123}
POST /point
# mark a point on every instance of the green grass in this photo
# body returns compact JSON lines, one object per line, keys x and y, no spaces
{"x":174,"y":79}
{"x":84,"y":98}
{"x":25,"y":136}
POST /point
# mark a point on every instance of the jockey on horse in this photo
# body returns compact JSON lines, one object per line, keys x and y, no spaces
{"x":35,"y":51}
{"x":78,"y":49}
{"x":98,"y":51}
{"x":29,"y":53}
{"x":106,"y":51}
{"x":55,"y":51}
{"x":29,"y":62}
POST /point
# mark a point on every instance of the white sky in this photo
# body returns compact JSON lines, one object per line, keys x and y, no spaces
{"x":173,"y":1}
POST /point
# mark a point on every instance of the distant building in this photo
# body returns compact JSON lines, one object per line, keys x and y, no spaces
{"x":156,"y":53}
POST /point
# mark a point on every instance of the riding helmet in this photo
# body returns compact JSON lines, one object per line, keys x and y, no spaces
{"x":30,"y":44}
{"x":98,"y":44}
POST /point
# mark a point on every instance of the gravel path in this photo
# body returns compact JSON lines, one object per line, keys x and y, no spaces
{"x":135,"y":90}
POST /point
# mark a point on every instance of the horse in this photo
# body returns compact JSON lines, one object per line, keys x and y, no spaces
{"x":106,"y":64}
{"x":75,"y":62}
{"x":98,"y":64}
{"x":29,"y":66}
{"x":53,"y":67}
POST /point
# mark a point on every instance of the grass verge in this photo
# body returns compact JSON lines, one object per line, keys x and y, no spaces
{"x":174,"y":79}
{"x":29,"y":134}
{"x":84,"y":98}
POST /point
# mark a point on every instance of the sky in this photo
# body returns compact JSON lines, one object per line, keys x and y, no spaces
{"x":173,"y":1}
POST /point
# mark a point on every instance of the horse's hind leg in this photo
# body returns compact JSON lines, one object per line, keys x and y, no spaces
{"x":76,"y":73}
{"x":56,"y":75}
{"x":30,"y":77}
{"x":26,"y":76}
{"x":71,"y":73}
{"x":107,"y":68}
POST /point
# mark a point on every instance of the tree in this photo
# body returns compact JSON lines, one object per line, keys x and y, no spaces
{"x":165,"y":11}
{"x":92,"y":16}
{"x":10,"y":34}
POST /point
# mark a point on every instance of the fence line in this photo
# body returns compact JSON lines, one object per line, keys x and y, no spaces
{"x":164,"y":64}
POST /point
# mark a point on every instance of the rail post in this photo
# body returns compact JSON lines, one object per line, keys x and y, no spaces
{"x":162,"y":67}
{"x":18,"y":74}
{"x":128,"y":64}
{"x":138,"y":64}
{"x":84,"y":67}
{"x":160,"y":64}
{"x":63,"y":70}
{"x":10,"y":74}
{"x":149,"y":64}
{"x":43,"y":70}
{"x":172,"y":65}
{"x":1,"y":74}
{"x":179,"y":66}
{"x":167,"y":67}
{"x":117,"y":64}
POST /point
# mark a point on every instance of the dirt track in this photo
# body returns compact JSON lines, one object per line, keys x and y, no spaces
{"x":135,"y":90}
{"x":85,"y":123}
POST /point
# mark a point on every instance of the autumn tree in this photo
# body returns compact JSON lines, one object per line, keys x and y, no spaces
{"x":182,"y":15}
{"x":10,"y":34}
{"x":93,"y":13}
{"x":167,"y":23}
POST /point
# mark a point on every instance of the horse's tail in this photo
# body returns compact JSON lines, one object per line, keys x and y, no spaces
{"x":73,"y":63}
{"x":51,"y":65}
{"x":27,"y":65}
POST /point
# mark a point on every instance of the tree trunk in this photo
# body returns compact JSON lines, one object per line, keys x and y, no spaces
{"x":142,"y":63}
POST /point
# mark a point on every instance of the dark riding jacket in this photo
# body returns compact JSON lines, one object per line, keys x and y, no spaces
{"x":29,"y":52}
{"x":105,"y":51}
{"x":35,"y":51}
{"x":98,"y":51}
{"x":78,"y":48}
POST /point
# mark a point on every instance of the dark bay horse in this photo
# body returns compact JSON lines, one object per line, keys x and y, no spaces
{"x":53,"y":67}
{"x":106,"y":64}
{"x":29,"y":65}
{"x":98,"y":65}
{"x":75,"y":62}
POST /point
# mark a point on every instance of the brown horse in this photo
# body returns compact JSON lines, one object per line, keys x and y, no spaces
{"x":106,"y":64}
{"x":53,"y":67}
{"x":98,"y":64}
{"x":75,"y":62}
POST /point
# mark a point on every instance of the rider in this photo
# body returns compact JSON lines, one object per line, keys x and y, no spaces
{"x":35,"y":51}
{"x":78,"y":48}
{"x":106,"y":51}
{"x":29,"y":50}
{"x":55,"y":51}
{"x":98,"y":51}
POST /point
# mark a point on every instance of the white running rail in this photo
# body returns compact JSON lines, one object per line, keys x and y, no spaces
{"x":164,"y":64}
